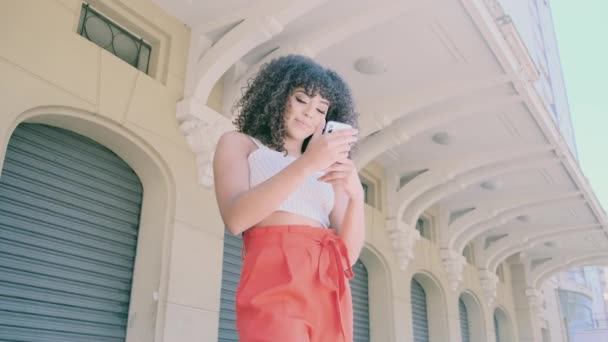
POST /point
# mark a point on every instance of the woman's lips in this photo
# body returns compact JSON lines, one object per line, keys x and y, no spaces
{"x":302,"y":124}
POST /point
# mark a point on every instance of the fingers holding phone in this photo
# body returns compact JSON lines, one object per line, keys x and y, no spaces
{"x":344,"y":174}
{"x":330,"y":144}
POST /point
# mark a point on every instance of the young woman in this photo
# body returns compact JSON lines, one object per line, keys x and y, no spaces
{"x":296,"y":196}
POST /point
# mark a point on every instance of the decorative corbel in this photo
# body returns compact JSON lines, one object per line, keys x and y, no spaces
{"x":535,"y":300}
{"x":489,"y":282}
{"x":202,"y":127}
{"x":454,"y":265}
{"x":403,"y":239}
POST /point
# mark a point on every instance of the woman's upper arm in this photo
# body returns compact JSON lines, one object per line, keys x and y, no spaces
{"x":231,"y":169}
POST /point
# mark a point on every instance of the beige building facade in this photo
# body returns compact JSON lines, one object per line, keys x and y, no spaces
{"x":474,"y":192}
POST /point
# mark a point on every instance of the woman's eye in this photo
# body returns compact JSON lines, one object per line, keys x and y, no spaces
{"x":320,"y":111}
{"x":300,"y":100}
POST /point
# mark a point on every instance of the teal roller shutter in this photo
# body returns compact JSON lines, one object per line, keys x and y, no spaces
{"x":359,"y":289}
{"x":496,"y":328}
{"x":231,"y":272}
{"x":69,"y":217}
{"x":419,"y":312}
{"x":464,"y":321}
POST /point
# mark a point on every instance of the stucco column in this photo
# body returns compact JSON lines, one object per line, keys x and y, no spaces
{"x":453,"y":314}
{"x":527,"y":307}
{"x":489,"y":319}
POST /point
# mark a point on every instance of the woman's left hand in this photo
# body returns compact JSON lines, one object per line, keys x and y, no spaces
{"x":343,"y":174}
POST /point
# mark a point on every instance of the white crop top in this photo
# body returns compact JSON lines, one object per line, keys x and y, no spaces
{"x":313,"y":199}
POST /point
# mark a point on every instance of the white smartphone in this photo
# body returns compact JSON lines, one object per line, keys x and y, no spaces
{"x":333,"y":126}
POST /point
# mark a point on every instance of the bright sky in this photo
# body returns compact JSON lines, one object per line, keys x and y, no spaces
{"x":582,"y":34}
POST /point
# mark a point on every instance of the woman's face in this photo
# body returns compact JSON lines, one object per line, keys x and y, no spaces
{"x":304,"y":114}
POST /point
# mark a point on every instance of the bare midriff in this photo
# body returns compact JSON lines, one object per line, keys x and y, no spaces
{"x":284,"y":218}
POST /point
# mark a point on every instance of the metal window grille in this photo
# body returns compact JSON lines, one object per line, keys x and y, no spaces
{"x":113,"y":38}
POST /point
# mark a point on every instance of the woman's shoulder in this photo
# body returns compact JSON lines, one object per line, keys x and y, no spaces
{"x":236,"y":140}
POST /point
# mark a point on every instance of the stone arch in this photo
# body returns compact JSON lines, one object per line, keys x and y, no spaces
{"x":400,"y":126}
{"x":504,"y":323}
{"x":436,"y":305}
{"x":149,"y":286}
{"x":254,"y":30}
{"x":445,"y":187}
{"x":482,"y":219}
{"x":444,"y":179}
{"x":380,"y":294}
{"x":519,"y":243}
{"x":477,"y":325}
{"x":562,"y":264}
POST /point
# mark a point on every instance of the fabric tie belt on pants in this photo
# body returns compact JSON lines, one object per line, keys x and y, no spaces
{"x":333,"y":253}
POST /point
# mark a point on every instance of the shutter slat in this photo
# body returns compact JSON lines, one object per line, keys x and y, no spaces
{"x":74,"y":159}
{"x":231,"y":272}
{"x":69,"y":216}
{"x":77,"y":145}
{"x":496,"y":328}
{"x":419,"y":312}
{"x":464,"y":321}
{"x":359,"y":290}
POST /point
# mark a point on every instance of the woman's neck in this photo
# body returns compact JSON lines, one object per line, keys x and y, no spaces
{"x":293,"y":146}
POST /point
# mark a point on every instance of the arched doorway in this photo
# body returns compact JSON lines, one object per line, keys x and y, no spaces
{"x":502,"y":327}
{"x":360,"y":293}
{"x":69,"y":224}
{"x":472,"y":327}
{"x":465,"y":333}
{"x":420,"y":319}
{"x":429,"y":315}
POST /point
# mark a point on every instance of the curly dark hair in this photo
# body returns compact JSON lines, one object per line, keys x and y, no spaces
{"x":265,"y":98}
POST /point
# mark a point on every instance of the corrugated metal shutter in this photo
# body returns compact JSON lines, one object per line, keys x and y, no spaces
{"x":419,"y":313}
{"x":359,"y":289}
{"x":69,"y":217}
{"x":231,"y":272}
{"x":464,"y":321}
{"x":496,"y":328}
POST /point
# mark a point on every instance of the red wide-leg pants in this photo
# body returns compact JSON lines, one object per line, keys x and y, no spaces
{"x":294,"y":286}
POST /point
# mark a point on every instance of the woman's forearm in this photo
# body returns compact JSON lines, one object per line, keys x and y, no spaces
{"x":352,"y":230}
{"x":258,"y":203}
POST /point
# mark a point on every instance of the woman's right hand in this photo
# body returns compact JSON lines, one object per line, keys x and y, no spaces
{"x":324,"y":150}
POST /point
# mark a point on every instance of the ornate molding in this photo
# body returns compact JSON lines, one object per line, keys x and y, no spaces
{"x":527,"y":67}
{"x":494,"y":8}
{"x":454,"y":265}
{"x":489,"y":282}
{"x":535,"y":300}
{"x":202,"y":127}
{"x":403,"y":240}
